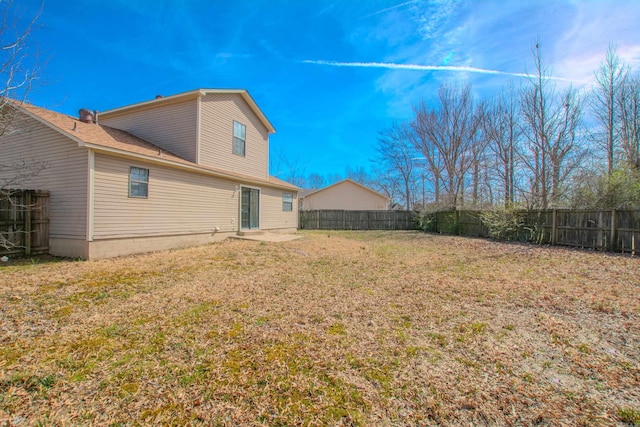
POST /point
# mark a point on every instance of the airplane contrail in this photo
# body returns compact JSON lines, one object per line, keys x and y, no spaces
{"x":387,"y":9}
{"x":417,"y":67}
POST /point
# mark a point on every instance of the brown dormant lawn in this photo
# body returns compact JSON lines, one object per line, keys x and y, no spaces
{"x":339,"y":328}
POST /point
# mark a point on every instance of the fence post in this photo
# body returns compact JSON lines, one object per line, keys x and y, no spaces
{"x":613,"y":244}
{"x":601,"y":240}
{"x":344,"y":220}
{"x":27,"y":222}
{"x":554,"y":227}
{"x":317,"y":220}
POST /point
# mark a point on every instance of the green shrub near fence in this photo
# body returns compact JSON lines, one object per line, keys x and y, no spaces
{"x":609,"y":230}
{"x":503,"y":224}
{"x":606,"y":230}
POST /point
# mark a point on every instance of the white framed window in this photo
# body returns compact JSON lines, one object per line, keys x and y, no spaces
{"x":239,"y":138}
{"x":138,"y":182}
{"x":287,"y":202}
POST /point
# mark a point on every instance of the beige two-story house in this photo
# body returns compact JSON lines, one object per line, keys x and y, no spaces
{"x":174,"y":171}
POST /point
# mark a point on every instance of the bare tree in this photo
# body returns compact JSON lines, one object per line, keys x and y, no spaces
{"x":479,"y":160}
{"x":18,"y":62}
{"x":397,"y":159}
{"x":359,"y":175}
{"x":18,"y":71}
{"x":315,"y":180}
{"x":446,"y":135}
{"x":629,"y":119}
{"x":605,"y":104}
{"x":503,"y":132}
{"x":386,"y":183}
{"x":551,"y":122}
{"x":429,"y":150}
{"x":288,"y":169}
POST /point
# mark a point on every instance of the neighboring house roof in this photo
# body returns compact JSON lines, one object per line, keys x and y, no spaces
{"x":307,"y":191}
{"x":310,"y":192}
{"x":107,"y":139}
{"x":194,"y":94}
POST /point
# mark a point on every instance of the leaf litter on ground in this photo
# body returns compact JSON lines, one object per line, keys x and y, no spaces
{"x":338,"y":328}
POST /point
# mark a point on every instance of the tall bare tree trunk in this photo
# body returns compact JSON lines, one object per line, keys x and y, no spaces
{"x":610,"y":78}
{"x":629,"y":119}
{"x":445,"y":134}
{"x":551,"y":125}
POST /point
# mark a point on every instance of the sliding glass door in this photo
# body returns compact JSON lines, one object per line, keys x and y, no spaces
{"x":250,"y":208}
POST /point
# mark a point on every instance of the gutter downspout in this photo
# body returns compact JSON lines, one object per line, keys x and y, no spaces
{"x":198,"y":122}
{"x":91,"y":163}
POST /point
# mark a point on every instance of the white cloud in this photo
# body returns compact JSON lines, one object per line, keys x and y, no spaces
{"x":435,"y":16}
{"x":630,"y":55}
{"x":582,"y":47}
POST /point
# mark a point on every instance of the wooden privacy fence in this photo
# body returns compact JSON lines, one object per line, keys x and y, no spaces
{"x":610,"y":230}
{"x":357,"y":220}
{"x":24,"y":222}
{"x":606,"y":230}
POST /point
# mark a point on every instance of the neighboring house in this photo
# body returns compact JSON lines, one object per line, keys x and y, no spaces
{"x":302,"y":193}
{"x":175,"y":171}
{"x":345,"y":195}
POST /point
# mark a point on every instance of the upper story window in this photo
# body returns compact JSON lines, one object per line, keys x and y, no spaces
{"x":287,"y":202}
{"x":138,"y":182}
{"x":239,"y":138}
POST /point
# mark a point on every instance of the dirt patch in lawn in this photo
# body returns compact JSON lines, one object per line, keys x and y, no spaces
{"x":340,"y":328}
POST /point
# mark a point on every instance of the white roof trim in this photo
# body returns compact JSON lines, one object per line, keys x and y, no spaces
{"x":196,"y":93}
{"x":351,"y":181}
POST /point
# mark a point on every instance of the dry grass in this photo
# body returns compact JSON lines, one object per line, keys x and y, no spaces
{"x":353,"y":329}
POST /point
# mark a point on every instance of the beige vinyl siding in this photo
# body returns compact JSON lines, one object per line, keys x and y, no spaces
{"x":64,"y":175}
{"x":271,"y":215}
{"x":179,"y":202}
{"x":217,"y":114}
{"x":172,"y":127}
{"x":345,"y":195}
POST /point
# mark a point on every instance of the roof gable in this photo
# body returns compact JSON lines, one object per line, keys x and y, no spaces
{"x":346,"y":181}
{"x":162,"y":100}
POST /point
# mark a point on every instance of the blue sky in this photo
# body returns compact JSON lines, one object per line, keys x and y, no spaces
{"x":328,"y":74}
